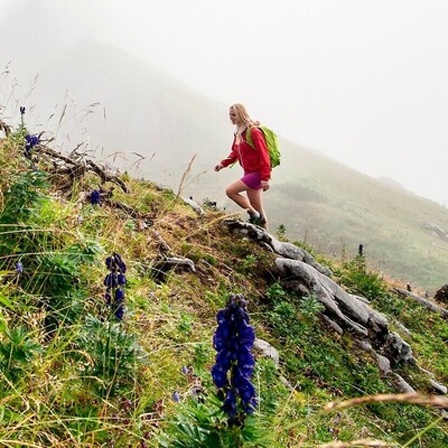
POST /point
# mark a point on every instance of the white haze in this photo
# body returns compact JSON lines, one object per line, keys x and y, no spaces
{"x":363,"y":81}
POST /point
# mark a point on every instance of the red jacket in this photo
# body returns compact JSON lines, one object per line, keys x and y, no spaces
{"x":251,"y":159}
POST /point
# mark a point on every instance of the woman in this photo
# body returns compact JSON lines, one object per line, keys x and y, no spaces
{"x":255,"y":162}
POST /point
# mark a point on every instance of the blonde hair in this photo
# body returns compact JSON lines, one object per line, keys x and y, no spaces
{"x":241,"y":113}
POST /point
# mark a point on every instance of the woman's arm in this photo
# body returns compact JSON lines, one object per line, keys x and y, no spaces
{"x":231,"y":158}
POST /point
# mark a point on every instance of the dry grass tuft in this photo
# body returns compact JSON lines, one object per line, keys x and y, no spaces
{"x":358,"y":444}
{"x":411,"y":398}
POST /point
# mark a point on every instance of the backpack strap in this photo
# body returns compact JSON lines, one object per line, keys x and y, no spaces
{"x":249,"y":136}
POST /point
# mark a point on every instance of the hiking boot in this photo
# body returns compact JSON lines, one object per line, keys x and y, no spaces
{"x":257,"y":220}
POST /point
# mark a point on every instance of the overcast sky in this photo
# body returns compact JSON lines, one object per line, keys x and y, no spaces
{"x":363,"y":81}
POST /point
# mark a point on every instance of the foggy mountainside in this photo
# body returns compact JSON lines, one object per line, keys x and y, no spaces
{"x":133,"y":116}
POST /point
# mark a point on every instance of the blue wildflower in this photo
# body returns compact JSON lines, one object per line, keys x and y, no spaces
{"x":176,"y":397}
{"x":119,"y":296}
{"x":95,"y":197}
{"x":121,"y":279}
{"x":115,"y":263}
{"x":31,"y":142}
{"x":230,"y":406}
{"x":234,"y":362}
{"x":111,"y":280}
{"x":19,"y":267}
{"x":114,"y":282}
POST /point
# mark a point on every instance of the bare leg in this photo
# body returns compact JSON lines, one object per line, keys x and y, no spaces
{"x":256,"y":200}
{"x":233,"y":192}
{"x":253,"y":203}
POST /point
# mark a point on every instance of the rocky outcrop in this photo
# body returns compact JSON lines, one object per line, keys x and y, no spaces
{"x":343,"y":312}
{"x":351,"y":313}
{"x":272,"y":244}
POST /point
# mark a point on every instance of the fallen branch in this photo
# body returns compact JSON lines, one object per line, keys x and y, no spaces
{"x":76,"y":168}
{"x":424,"y":302}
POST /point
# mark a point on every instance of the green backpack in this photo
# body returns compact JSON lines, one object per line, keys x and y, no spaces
{"x":271,"y":139}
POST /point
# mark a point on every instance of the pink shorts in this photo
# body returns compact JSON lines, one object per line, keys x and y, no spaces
{"x":252,"y":180}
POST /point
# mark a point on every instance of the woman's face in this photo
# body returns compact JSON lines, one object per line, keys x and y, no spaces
{"x":233,"y":117}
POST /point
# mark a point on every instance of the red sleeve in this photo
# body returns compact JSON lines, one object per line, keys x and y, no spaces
{"x":260,"y":146}
{"x":231,"y":158}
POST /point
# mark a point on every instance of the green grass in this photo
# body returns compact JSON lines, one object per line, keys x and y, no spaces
{"x":71,"y":375}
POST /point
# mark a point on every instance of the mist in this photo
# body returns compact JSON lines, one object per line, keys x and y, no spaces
{"x":366,"y":83}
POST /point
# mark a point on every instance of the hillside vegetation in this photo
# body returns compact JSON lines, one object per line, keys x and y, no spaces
{"x":79,"y":372}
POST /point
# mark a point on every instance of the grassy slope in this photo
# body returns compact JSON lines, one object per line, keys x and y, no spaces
{"x":88,"y":385}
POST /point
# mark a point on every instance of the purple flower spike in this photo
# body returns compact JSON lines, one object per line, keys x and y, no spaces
{"x":22,"y":110}
{"x":115,"y":282}
{"x":121,"y":279}
{"x":119,"y":296}
{"x":234,"y":362}
{"x":119,"y":262}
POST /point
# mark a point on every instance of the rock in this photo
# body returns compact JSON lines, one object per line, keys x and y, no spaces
{"x":365,"y":345}
{"x":194,"y":205}
{"x":436,"y":230}
{"x":267,"y":350}
{"x":343,"y":308}
{"x":160,"y":268}
{"x":332,"y":324}
{"x":438,"y":387}
{"x":286,"y":250}
{"x":397,"y":349}
{"x":424,"y":302}
{"x":402,"y":328}
{"x":402,"y":385}
{"x":383,"y":364}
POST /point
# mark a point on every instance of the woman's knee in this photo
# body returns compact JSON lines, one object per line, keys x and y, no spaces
{"x":231,"y":191}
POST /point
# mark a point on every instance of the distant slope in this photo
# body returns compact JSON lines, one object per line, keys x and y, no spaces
{"x":145,"y":111}
{"x":338,"y":208}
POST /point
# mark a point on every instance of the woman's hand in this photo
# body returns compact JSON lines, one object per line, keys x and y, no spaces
{"x":219,"y":167}
{"x":265,"y":185}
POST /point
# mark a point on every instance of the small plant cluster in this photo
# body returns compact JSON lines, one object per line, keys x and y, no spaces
{"x":360,"y":280}
{"x":22,"y":135}
{"x":114,"y":282}
{"x":234,"y":364}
